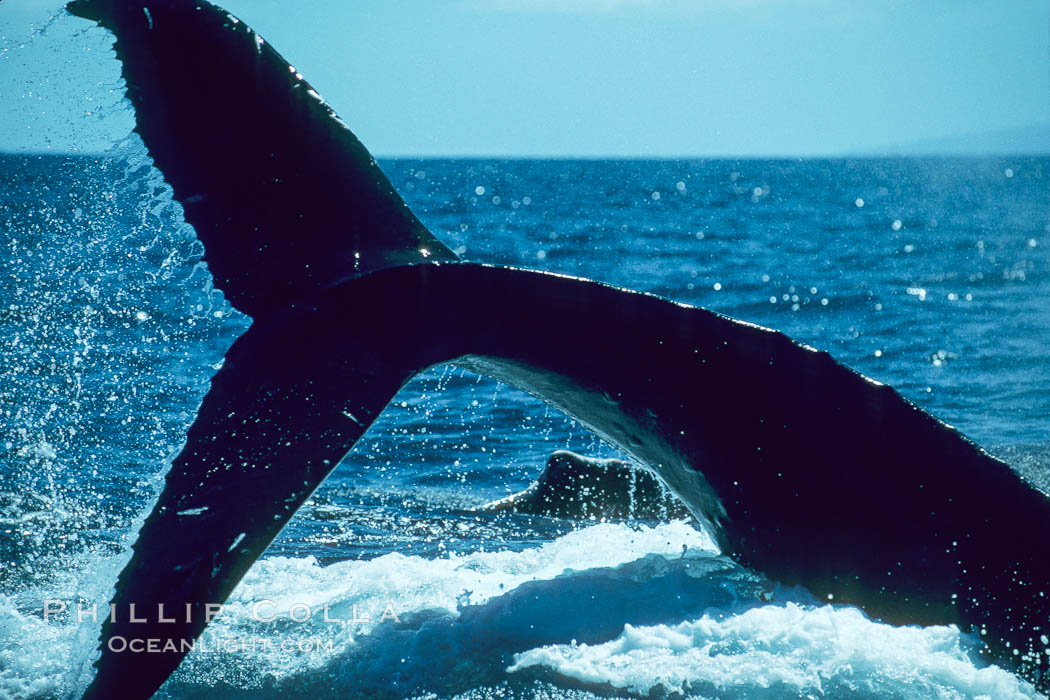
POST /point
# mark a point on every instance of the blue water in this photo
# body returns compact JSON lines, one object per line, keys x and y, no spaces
{"x":930,"y":275}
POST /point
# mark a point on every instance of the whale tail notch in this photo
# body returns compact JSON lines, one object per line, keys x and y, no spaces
{"x":285,"y":198}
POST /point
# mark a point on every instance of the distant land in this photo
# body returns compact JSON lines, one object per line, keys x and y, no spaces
{"x":1028,"y":140}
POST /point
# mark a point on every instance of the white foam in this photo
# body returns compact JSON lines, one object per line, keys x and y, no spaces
{"x":777,"y":650}
{"x":747,"y":648}
{"x":412,"y":583}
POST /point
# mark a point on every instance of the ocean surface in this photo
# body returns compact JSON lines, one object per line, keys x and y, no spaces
{"x":931,"y":275}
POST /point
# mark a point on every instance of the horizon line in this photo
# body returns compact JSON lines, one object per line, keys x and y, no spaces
{"x":859,"y":155}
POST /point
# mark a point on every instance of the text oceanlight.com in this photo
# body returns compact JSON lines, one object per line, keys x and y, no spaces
{"x":119,"y":644}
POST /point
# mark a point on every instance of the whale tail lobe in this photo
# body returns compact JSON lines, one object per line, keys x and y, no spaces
{"x":285,"y":198}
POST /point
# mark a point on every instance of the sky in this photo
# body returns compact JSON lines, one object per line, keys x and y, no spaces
{"x":592,"y":78}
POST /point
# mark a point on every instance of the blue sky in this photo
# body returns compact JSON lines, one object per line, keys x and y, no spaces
{"x":591,"y":77}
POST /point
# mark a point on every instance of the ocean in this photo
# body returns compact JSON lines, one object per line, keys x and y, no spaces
{"x":930,"y":275}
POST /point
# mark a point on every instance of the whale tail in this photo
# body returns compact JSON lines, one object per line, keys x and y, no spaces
{"x":875,"y":501}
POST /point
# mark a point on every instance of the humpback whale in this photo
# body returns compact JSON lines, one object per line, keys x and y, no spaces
{"x":574,"y":486}
{"x":800,"y":467}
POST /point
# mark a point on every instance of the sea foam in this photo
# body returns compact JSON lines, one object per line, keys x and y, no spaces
{"x":787,"y":650}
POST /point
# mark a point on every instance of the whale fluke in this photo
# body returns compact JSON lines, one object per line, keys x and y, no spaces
{"x":577,"y":487}
{"x":284,"y":197}
{"x":798,"y":466}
